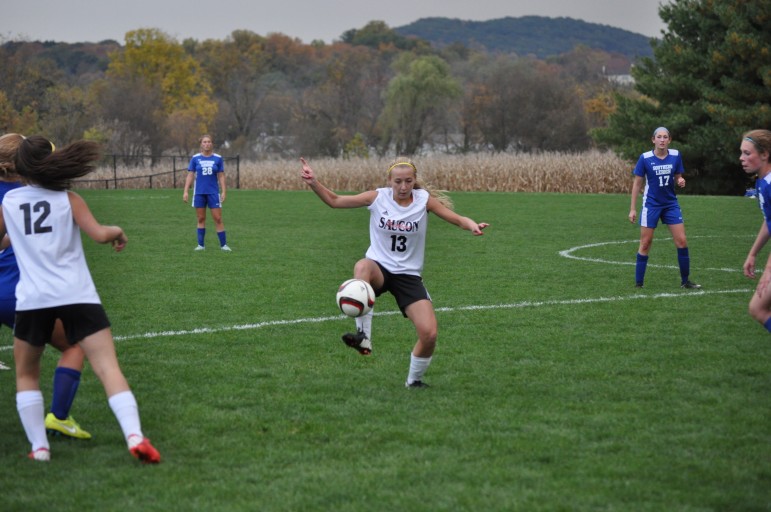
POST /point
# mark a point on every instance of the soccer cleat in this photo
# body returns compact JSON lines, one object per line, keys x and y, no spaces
{"x":41,"y":454}
{"x":638,"y":285}
{"x":143,"y":450}
{"x":226,"y":248}
{"x":416,"y":384}
{"x":358,"y":341}
{"x":200,"y":248}
{"x":690,"y":285}
{"x":68,"y":427}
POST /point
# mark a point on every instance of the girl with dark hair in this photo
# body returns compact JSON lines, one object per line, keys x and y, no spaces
{"x":44,"y":221}
{"x":70,"y":366}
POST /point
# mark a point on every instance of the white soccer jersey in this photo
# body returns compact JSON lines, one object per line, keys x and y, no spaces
{"x":48,"y":249}
{"x":397,"y":234}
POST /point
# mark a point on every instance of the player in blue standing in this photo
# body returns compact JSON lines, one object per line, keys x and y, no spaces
{"x":70,"y":366}
{"x":755,"y":157}
{"x":208,"y":170}
{"x":660,"y":168}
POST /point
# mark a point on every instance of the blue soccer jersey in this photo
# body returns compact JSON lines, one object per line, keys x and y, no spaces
{"x":659,"y":176}
{"x":206,"y":169}
{"x":9,"y":270}
{"x":764,"y":198}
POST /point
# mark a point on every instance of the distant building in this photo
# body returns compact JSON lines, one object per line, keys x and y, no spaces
{"x":621,"y":79}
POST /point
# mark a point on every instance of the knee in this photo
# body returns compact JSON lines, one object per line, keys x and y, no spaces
{"x":756,"y":312}
{"x":367,"y":270}
{"x":428,"y":336}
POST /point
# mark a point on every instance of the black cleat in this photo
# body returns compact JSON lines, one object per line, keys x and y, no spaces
{"x":359,"y":342}
{"x":690,"y":285}
{"x":416,"y":384}
{"x":638,"y":285}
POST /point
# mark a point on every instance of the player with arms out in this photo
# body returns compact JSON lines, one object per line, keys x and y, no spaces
{"x":755,"y":153}
{"x":208,"y":170}
{"x":44,"y":220}
{"x":661,"y":169}
{"x":394,"y":260}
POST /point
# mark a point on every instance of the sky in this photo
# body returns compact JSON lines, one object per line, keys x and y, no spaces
{"x":79,"y":21}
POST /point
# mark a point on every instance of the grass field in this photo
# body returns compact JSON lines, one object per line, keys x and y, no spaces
{"x":556,"y":384}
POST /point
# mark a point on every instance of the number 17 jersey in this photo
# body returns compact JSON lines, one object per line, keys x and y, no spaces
{"x":659,"y":176}
{"x":397,"y":234}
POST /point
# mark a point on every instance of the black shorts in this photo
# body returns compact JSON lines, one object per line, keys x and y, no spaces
{"x":405,"y":288}
{"x":80,"y":320}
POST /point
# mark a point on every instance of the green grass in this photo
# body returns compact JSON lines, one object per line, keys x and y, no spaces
{"x":556,"y":384}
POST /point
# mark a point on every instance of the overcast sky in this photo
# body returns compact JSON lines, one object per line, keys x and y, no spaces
{"x":75,"y":21}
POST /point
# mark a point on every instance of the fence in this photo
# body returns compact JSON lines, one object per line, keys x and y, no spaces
{"x":124,"y":170}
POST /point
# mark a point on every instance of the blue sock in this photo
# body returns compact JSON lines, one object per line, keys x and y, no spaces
{"x":685,"y":264}
{"x":66,"y":381}
{"x":201,"y":235}
{"x":221,"y":235}
{"x":767,"y":325}
{"x":639,"y":271}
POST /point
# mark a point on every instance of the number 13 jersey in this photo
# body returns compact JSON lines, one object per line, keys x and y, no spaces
{"x":49,"y":252}
{"x":397,"y":234}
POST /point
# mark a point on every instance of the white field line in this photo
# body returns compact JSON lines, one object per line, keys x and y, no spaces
{"x":515,"y":305}
{"x":569,"y":253}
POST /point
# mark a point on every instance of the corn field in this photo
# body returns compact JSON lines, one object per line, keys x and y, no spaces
{"x":589,"y":172}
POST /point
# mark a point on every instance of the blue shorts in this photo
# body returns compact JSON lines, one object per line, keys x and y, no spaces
{"x":204,"y":200}
{"x":7,"y":311}
{"x":650,"y":215}
{"x":405,"y":288}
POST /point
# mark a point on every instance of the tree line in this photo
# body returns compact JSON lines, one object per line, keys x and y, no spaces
{"x":372,"y":92}
{"x":376,"y":92}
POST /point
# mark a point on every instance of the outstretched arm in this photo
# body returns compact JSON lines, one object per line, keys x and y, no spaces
{"x":330,"y":198}
{"x":88,"y":224}
{"x":450,"y":216}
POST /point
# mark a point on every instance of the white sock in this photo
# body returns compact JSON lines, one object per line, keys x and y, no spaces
{"x":364,"y":323}
{"x":418,"y":366}
{"x":125,"y":408}
{"x":32,"y":413}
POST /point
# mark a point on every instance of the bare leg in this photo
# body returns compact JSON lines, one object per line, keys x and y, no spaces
{"x":423,"y":317}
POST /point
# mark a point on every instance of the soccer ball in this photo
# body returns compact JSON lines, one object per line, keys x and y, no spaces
{"x":355,"y":297}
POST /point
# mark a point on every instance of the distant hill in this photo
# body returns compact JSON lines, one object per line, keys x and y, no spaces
{"x":529,"y":35}
{"x":73,"y":59}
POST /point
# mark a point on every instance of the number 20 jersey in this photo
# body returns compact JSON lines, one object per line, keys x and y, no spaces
{"x":397,"y":234}
{"x":49,"y":252}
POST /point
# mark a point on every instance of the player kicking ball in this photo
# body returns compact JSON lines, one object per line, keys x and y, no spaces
{"x":394,"y":261}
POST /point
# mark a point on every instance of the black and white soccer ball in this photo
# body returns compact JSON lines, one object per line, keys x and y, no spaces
{"x":355,"y":297}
